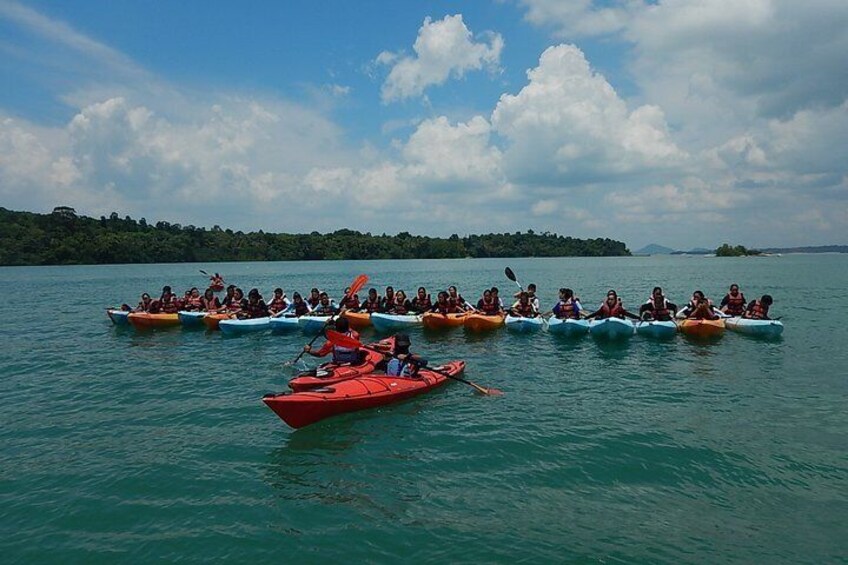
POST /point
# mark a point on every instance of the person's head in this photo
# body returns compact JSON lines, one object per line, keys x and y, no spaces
{"x":253,"y":295}
{"x":145,"y":297}
{"x":390,"y":291}
{"x":372,"y":293}
{"x":278,"y":292}
{"x":402,"y":344}
{"x":767,"y":300}
{"x":209,"y":294}
{"x":217,"y":276}
{"x":195,"y":292}
{"x":566,"y":293}
{"x":342,"y":325}
{"x":452,"y":290}
{"x":347,"y":291}
{"x":698,"y":296}
{"x":487,"y":294}
{"x":238,"y":294}
{"x":495,"y":291}
{"x":531,"y":288}
{"x":612,"y":296}
{"x":523,"y":297}
{"x":657,"y":292}
{"x":400,"y":296}
{"x":297,"y":297}
{"x":443,"y":297}
{"x":734,"y":289}
{"x":422,"y":292}
{"x":166,"y":290}
{"x":231,"y":290}
{"x":187,"y":293}
{"x":325,"y":298}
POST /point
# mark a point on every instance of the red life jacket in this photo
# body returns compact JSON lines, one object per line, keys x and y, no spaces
{"x":616,"y":311}
{"x":313,"y":302}
{"x":659,"y":313}
{"x":170,"y":307}
{"x":735,"y":306}
{"x":758,"y":311}
{"x":194,"y":303}
{"x":371,"y":305}
{"x":401,"y":308}
{"x":446,"y":308}
{"x":210,"y":305}
{"x":278,"y":304}
{"x":422,"y":305}
{"x":234,"y":305}
{"x":489,"y":308}
{"x":525,"y":310}
{"x":300,"y":309}
{"x":351,"y":303}
{"x":567,"y":309}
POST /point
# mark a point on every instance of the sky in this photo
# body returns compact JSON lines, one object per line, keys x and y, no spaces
{"x":687,"y":123}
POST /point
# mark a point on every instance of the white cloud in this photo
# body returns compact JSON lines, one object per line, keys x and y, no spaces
{"x":443,"y":49}
{"x":572,"y":18}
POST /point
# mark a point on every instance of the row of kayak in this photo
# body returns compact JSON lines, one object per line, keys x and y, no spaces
{"x":611,"y":328}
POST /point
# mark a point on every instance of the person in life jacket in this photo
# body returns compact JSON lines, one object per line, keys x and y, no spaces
{"x":758,"y":309}
{"x":278,"y":303}
{"x":487,"y":305}
{"x":457,"y":297}
{"x":700,"y":308}
{"x":209,"y":302}
{"x":341,"y":355}
{"x":422,"y":303}
{"x":254,"y":306}
{"x":349,"y":301}
{"x":236,"y":303}
{"x":524,"y":307}
{"x":314,"y":298}
{"x":372,"y":302}
{"x":568,"y":306}
{"x":496,"y":296}
{"x":531,"y":292}
{"x":388,"y":301}
{"x":325,"y":306}
{"x":658,"y":307}
{"x":402,"y":306}
{"x":444,"y":305}
{"x":733,"y":303}
{"x":144,"y":303}
{"x":168,"y":303}
{"x":403,"y":363}
{"x":299,"y":306}
{"x":216,"y":281}
{"x":612,"y":307}
{"x":193,"y":301}
{"x":228,"y":297}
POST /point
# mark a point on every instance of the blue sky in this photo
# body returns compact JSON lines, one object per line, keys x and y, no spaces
{"x":679,"y":122}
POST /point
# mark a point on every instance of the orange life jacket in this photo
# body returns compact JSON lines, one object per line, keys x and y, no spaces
{"x":735,"y":306}
{"x":489,"y":308}
{"x":278,"y":304}
{"x":371,"y":305}
{"x":616,"y":311}
{"x":758,"y":311}
{"x":567,"y":309}
{"x":661,"y":312}
{"x":525,"y":310}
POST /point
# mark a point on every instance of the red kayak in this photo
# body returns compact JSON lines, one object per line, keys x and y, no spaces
{"x":330,"y":373}
{"x":299,"y":409}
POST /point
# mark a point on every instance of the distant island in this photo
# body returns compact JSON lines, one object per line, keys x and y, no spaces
{"x":65,"y":238}
{"x":727,"y":250}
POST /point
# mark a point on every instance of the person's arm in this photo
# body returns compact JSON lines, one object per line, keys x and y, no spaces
{"x":595,"y":313}
{"x":323,"y":351}
{"x":724,"y":302}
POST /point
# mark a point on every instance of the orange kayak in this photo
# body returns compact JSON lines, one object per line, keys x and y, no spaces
{"x":436,"y":321}
{"x":702,"y":328}
{"x":358,"y":320}
{"x":144,"y":320}
{"x":483,"y":323}
{"x":212,"y":319}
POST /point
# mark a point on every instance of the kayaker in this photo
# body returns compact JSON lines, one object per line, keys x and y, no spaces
{"x":457,"y":297}
{"x":658,"y":307}
{"x":388,"y":301}
{"x":210,"y":302}
{"x":325,"y":307}
{"x":444,"y":305}
{"x":524,"y":307}
{"x":700,"y":308}
{"x":402,"y":306}
{"x":254,"y":306}
{"x":228,"y":297}
{"x":497,"y":297}
{"x":349,"y":302}
{"x":217,"y":281}
{"x":488,"y":305}
{"x":193,"y":301}
{"x":372,"y":302}
{"x":144,"y":303}
{"x":612,"y":307}
{"x":531,"y":291}
{"x":341,"y":355}
{"x":236,"y":303}
{"x":733,"y":303}
{"x":758,"y":309}
{"x":299,"y":306}
{"x":422,"y":303}
{"x":314,"y":298}
{"x":278,"y":303}
{"x":168,"y":303}
{"x":403,"y":363}
{"x":568,"y":306}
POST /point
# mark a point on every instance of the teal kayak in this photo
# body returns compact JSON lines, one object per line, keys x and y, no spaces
{"x":191,"y":319}
{"x":238,"y":327}
{"x":759,"y":328}
{"x":312,"y":325}
{"x":611,"y":328}
{"x":118,"y":317}
{"x":386,"y":323}
{"x":657,"y":329}
{"x":283,"y":324}
{"x":521,"y":324}
{"x":568,"y":326}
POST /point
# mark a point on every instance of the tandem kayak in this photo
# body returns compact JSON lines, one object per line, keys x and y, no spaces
{"x":191,"y":319}
{"x":118,"y":316}
{"x":299,"y":409}
{"x":330,"y":373}
{"x":484,"y":323}
{"x":145,"y":320}
{"x":358,"y":320}
{"x":212,"y":319}
{"x":760,"y":328}
{"x":217,"y":287}
{"x":238,"y":327}
{"x":611,"y":328}
{"x":312,"y":325}
{"x":568,"y":326}
{"x":658,"y":329}
{"x":702,"y":328}
{"x":436,"y":321}
{"x":522,"y":324}
{"x":394,"y":322}
{"x":282,"y":324}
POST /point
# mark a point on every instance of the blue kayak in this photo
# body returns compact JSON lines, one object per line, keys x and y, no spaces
{"x":387,"y":323}
{"x":312,"y":325}
{"x":657,"y":329}
{"x":283,"y":324}
{"x":522,"y":324}
{"x":118,"y":317}
{"x":191,"y":319}
{"x":759,"y":328}
{"x":568,"y":326}
{"x":611,"y":328}
{"x":238,"y":327}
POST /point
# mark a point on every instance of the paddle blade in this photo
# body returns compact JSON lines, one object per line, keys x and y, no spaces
{"x":494,"y":392}
{"x":509,"y":274}
{"x":357,"y":284}
{"x":342,"y":340}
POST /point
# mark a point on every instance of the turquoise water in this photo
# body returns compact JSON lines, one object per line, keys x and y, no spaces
{"x":119,"y":445}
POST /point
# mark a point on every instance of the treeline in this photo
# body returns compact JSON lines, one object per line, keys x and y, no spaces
{"x":64,"y":238}
{"x":727,"y":250}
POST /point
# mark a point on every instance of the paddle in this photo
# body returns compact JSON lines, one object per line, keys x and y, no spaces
{"x":204,"y":272}
{"x":511,"y":276}
{"x":343,"y":340}
{"x":355,"y":287}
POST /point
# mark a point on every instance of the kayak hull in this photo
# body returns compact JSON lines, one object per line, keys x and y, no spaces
{"x":759,"y":328}
{"x":283,"y":324}
{"x":393,"y":322}
{"x":239,"y":327}
{"x":299,"y":409}
{"x":657,"y":329}
{"x":118,"y":317}
{"x":217,"y":287}
{"x":329,"y":374}
{"x":483,"y":323}
{"x":435,"y":321}
{"x":568,"y":326}
{"x":212,"y":319}
{"x":312,"y":325}
{"x":520,"y":324}
{"x":611,"y":328}
{"x":191,"y":319}
{"x":146,"y":320}
{"x":702,"y":328}
{"x":358,"y":320}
